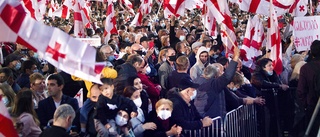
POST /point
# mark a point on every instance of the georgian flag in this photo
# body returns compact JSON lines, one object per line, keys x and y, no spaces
{"x":53,"y":7}
{"x":299,"y":8}
{"x":262,"y":6}
{"x":32,"y":8}
{"x":274,"y":41}
{"x":128,"y":6}
{"x":58,"y":48}
{"x":64,"y":10}
{"x":209,"y":21}
{"x":6,"y":127}
{"x":111,"y":24}
{"x":173,"y":8}
{"x":79,"y":97}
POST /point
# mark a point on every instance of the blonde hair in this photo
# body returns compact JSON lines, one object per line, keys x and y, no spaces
{"x":164,"y":39}
{"x":296,"y":70}
{"x":164,"y":101}
{"x":295,"y":59}
{"x":162,"y":53}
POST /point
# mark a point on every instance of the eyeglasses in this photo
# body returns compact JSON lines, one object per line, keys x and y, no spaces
{"x":40,"y":83}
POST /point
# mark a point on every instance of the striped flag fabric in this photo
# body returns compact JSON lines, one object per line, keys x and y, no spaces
{"x":6,"y":127}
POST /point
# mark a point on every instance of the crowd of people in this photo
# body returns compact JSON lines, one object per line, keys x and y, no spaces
{"x":160,"y":79}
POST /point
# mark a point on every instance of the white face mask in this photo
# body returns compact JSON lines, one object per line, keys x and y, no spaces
{"x":181,"y":38}
{"x":164,"y":114}
{"x":270,"y":73}
{"x":241,"y":37}
{"x":194,"y":95}
{"x":234,"y":89}
{"x":5,"y":101}
{"x":164,"y":59}
{"x":138,"y":102}
{"x":120,"y":121}
{"x":148,"y":70}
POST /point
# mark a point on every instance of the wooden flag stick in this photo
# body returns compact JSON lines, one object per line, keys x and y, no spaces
{"x":225,"y":31}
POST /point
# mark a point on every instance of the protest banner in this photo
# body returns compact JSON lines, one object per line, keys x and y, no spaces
{"x":306,"y":30}
{"x":95,"y":42}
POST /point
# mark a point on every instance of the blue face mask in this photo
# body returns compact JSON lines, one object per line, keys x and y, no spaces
{"x":270,"y":73}
{"x":234,"y":21}
{"x":234,"y":89}
{"x":111,"y":58}
{"x":18,"y":66}
{"x":126,"y":39}
{"x":215,"y":56}
{"x":35,"y":55}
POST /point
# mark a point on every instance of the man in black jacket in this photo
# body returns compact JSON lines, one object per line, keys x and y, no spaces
{"x":184,"y":112}
{"x":56,"y":98}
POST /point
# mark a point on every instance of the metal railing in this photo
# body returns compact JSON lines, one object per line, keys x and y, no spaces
{"x":240,"y":122}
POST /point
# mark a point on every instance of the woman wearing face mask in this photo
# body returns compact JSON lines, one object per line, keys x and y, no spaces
{"x":138,"y":123}
{"x":122,"y":121}
{"x":266,"y":78}
{"x":161,"y":117}
{"x":7,"y":94}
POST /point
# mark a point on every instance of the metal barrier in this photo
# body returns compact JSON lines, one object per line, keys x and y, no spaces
{"x":240,"y":122}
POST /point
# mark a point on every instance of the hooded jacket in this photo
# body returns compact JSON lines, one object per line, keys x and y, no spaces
{"x":197,"y":69}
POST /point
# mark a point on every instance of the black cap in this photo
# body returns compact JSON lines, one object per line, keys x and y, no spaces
{"x":152,"y":36}
{"x":187,"y":83}
{"x":144,"y":38}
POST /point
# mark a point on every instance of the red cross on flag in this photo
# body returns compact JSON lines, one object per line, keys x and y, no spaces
{"x":32,"y":8}
{"x":173,"y":8}
{"x":128,"y":6}
{"x":145,"y":8}
{"x":79,"y":97}
{"x":262,"y":6}
{"x":53,"y":7}
{"x":111,"y":24}
{"x":209,"y":21}
{"x":274,"y":41}
{"x":6,"y":126}
{"x":299,"y":8}
{"x":58,"y":48}
{"x":64,"y":10}
{"x":221,"y":11}
{"x":253,"y":38}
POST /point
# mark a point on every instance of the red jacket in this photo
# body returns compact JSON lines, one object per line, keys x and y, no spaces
{"x":151,"y":89}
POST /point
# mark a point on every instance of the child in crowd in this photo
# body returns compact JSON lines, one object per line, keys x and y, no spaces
{"x":107,"y":108}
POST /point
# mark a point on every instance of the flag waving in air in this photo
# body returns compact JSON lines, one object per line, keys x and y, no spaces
{"x":61,"y":50}
{"x":274,"y":41}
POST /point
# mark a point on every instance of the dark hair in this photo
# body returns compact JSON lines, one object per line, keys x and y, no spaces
{"x":134,"y":58}
{"x":7,"y":71}
{"x":58,"y":78}
{"x":179,"y":46}
{"x":27,"y":65}
{"x":315,"y":48}
{"x":23,"y":103}
{"x":128,"y":91}
{"x":107,"y":81}
{"x":215,"y":48}
{"x":205,"y":42}
{"x":223,"y":61}
{"x":130,"y":81}
{"x":263,"y":62}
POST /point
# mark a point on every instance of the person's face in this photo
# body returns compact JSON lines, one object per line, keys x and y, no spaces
{"x":123,"y":114}
{"x":53,"y":88}
{"x":171,"y":52}
{"x":145,"y":44}
{"x":95,"y":93}
{"x":116,"y":38}
{"x":107,"y":90}
{"x":137,"y":84}
{"x":106,"y":52}
{"x":34,"y":67}
{"x":268,"y":67}
{"x":204,"y":57}
{"x":209,"y":44}
{"x":164,"y":107}
{"x":183,"y":48}
{"x":3,"y":77}
{"x":38,"y":85}
{"x":239,"y":66}
{"x":135,"y":95}
{"x":190,"y":39}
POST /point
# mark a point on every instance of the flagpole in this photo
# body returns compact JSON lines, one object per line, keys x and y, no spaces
{"x":311,"y":8}
{"x":159,"y":8}
{"x":224,"y":29}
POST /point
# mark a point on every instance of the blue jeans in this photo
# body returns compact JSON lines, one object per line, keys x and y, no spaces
{"x":84,"y":111}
